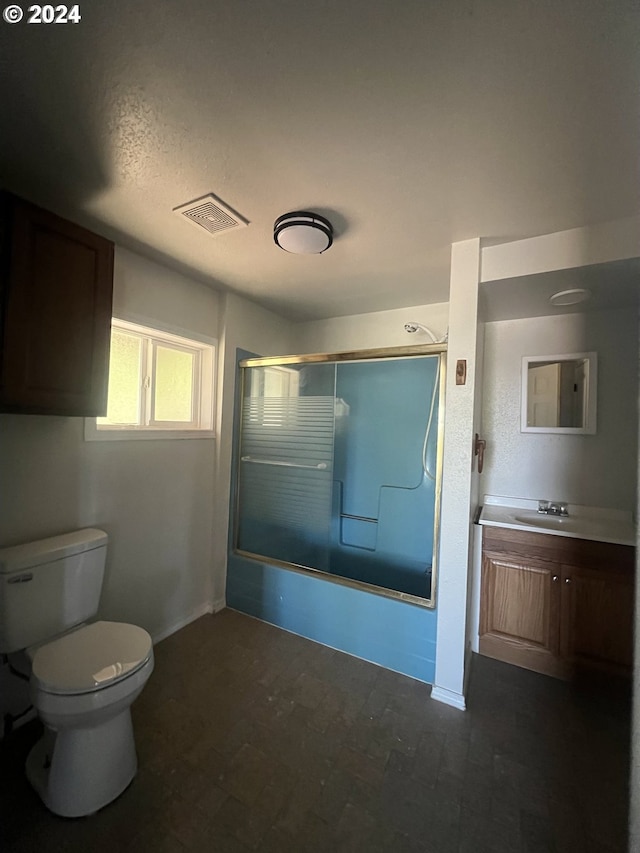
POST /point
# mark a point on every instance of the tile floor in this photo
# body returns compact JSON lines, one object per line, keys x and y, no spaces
{"x":250,"y":738}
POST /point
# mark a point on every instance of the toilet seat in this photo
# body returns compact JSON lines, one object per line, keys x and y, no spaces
{"x":90,"y":658}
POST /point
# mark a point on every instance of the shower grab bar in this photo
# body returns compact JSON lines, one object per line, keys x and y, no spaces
{"x":321,"y":466}
{"x":359,"y":517}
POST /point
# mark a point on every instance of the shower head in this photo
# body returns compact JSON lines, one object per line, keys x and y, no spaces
{"x":411,"y":328}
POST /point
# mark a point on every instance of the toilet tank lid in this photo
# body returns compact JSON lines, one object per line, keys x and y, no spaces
{"x":53,"y":548}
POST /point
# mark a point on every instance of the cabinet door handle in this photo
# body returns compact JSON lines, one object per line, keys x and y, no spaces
{"x":555,"y":578}
{"x":567,"y":580}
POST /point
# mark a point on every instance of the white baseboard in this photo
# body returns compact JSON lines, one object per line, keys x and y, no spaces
{"x":449,"y":697}
{"x":207,"y":607}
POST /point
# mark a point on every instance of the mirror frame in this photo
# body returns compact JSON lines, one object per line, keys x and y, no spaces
{"x":590,"y":402}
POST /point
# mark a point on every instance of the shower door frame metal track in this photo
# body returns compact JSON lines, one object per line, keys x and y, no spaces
{"x":347,"y":355}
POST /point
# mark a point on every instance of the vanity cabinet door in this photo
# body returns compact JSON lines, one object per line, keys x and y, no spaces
{"x":520,"y":613}
{"x":597,"y":618}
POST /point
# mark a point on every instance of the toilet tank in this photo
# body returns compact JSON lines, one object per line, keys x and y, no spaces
{"x":49,"y":586}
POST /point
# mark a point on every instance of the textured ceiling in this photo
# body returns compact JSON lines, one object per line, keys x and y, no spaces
{"x":410,"y":125}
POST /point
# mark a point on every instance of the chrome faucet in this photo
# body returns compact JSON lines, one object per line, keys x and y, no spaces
{"x":553,"y":508}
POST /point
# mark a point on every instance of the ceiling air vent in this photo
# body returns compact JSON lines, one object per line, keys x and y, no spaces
{"x":210,"y":214}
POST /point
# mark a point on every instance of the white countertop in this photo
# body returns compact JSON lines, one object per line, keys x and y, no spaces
{"x":583,"y":522}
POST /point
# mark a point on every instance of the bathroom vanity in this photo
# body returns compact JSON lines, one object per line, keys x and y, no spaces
{"x":557,"y":593}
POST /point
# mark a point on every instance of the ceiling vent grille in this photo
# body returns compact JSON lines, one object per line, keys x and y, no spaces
{"x":211,"y":215}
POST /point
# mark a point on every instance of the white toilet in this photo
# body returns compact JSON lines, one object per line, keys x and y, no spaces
{"x":84,"y":677}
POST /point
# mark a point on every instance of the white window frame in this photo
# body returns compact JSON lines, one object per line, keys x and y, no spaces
{"x":203,"y":400}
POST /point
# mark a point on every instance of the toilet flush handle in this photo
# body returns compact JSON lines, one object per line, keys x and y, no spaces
{"x":23,"y":578}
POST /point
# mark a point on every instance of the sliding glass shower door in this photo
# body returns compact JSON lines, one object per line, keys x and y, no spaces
{"x":339,"y":468}
{"x":286,"y":463}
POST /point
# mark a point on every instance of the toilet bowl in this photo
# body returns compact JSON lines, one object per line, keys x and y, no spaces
{"x":82,"y":686}
{"x":84,"y":674}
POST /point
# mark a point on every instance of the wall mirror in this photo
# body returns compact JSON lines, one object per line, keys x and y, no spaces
{"x":559,"y":393}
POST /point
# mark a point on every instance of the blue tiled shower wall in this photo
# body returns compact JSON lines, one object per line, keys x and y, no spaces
{"x":390,"y":632}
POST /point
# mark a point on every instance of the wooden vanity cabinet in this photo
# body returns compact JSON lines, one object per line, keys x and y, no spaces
{"x":556,"y":604}
{"x":56,"y":282}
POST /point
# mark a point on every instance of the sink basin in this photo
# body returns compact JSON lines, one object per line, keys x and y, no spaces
{"x":547,"y":522}
{"x":592,"y":523}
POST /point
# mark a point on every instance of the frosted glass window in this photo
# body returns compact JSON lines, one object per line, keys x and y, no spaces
{"x":124,"y":379}
{"x":159,"y":383}
{"x":174,"y":390}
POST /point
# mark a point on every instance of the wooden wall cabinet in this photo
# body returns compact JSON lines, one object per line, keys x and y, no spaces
{"x":56,"y":284}
{"x":556,"y":604}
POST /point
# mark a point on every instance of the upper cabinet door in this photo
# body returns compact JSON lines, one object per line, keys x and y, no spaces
{"x":58,"y":282}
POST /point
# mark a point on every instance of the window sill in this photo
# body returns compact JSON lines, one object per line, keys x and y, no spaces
{"x":92,"y":433}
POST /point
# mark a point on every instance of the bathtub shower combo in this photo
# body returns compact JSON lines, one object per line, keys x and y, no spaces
{"x":339,"y":466}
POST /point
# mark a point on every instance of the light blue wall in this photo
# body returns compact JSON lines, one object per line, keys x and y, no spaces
{"x":378,"y":472}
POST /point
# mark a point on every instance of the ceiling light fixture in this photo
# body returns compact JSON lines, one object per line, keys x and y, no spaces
{"x":303,"y":233}
{"x":570,"y":297}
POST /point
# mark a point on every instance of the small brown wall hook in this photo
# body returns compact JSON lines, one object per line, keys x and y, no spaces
{"x":479,"y":446}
